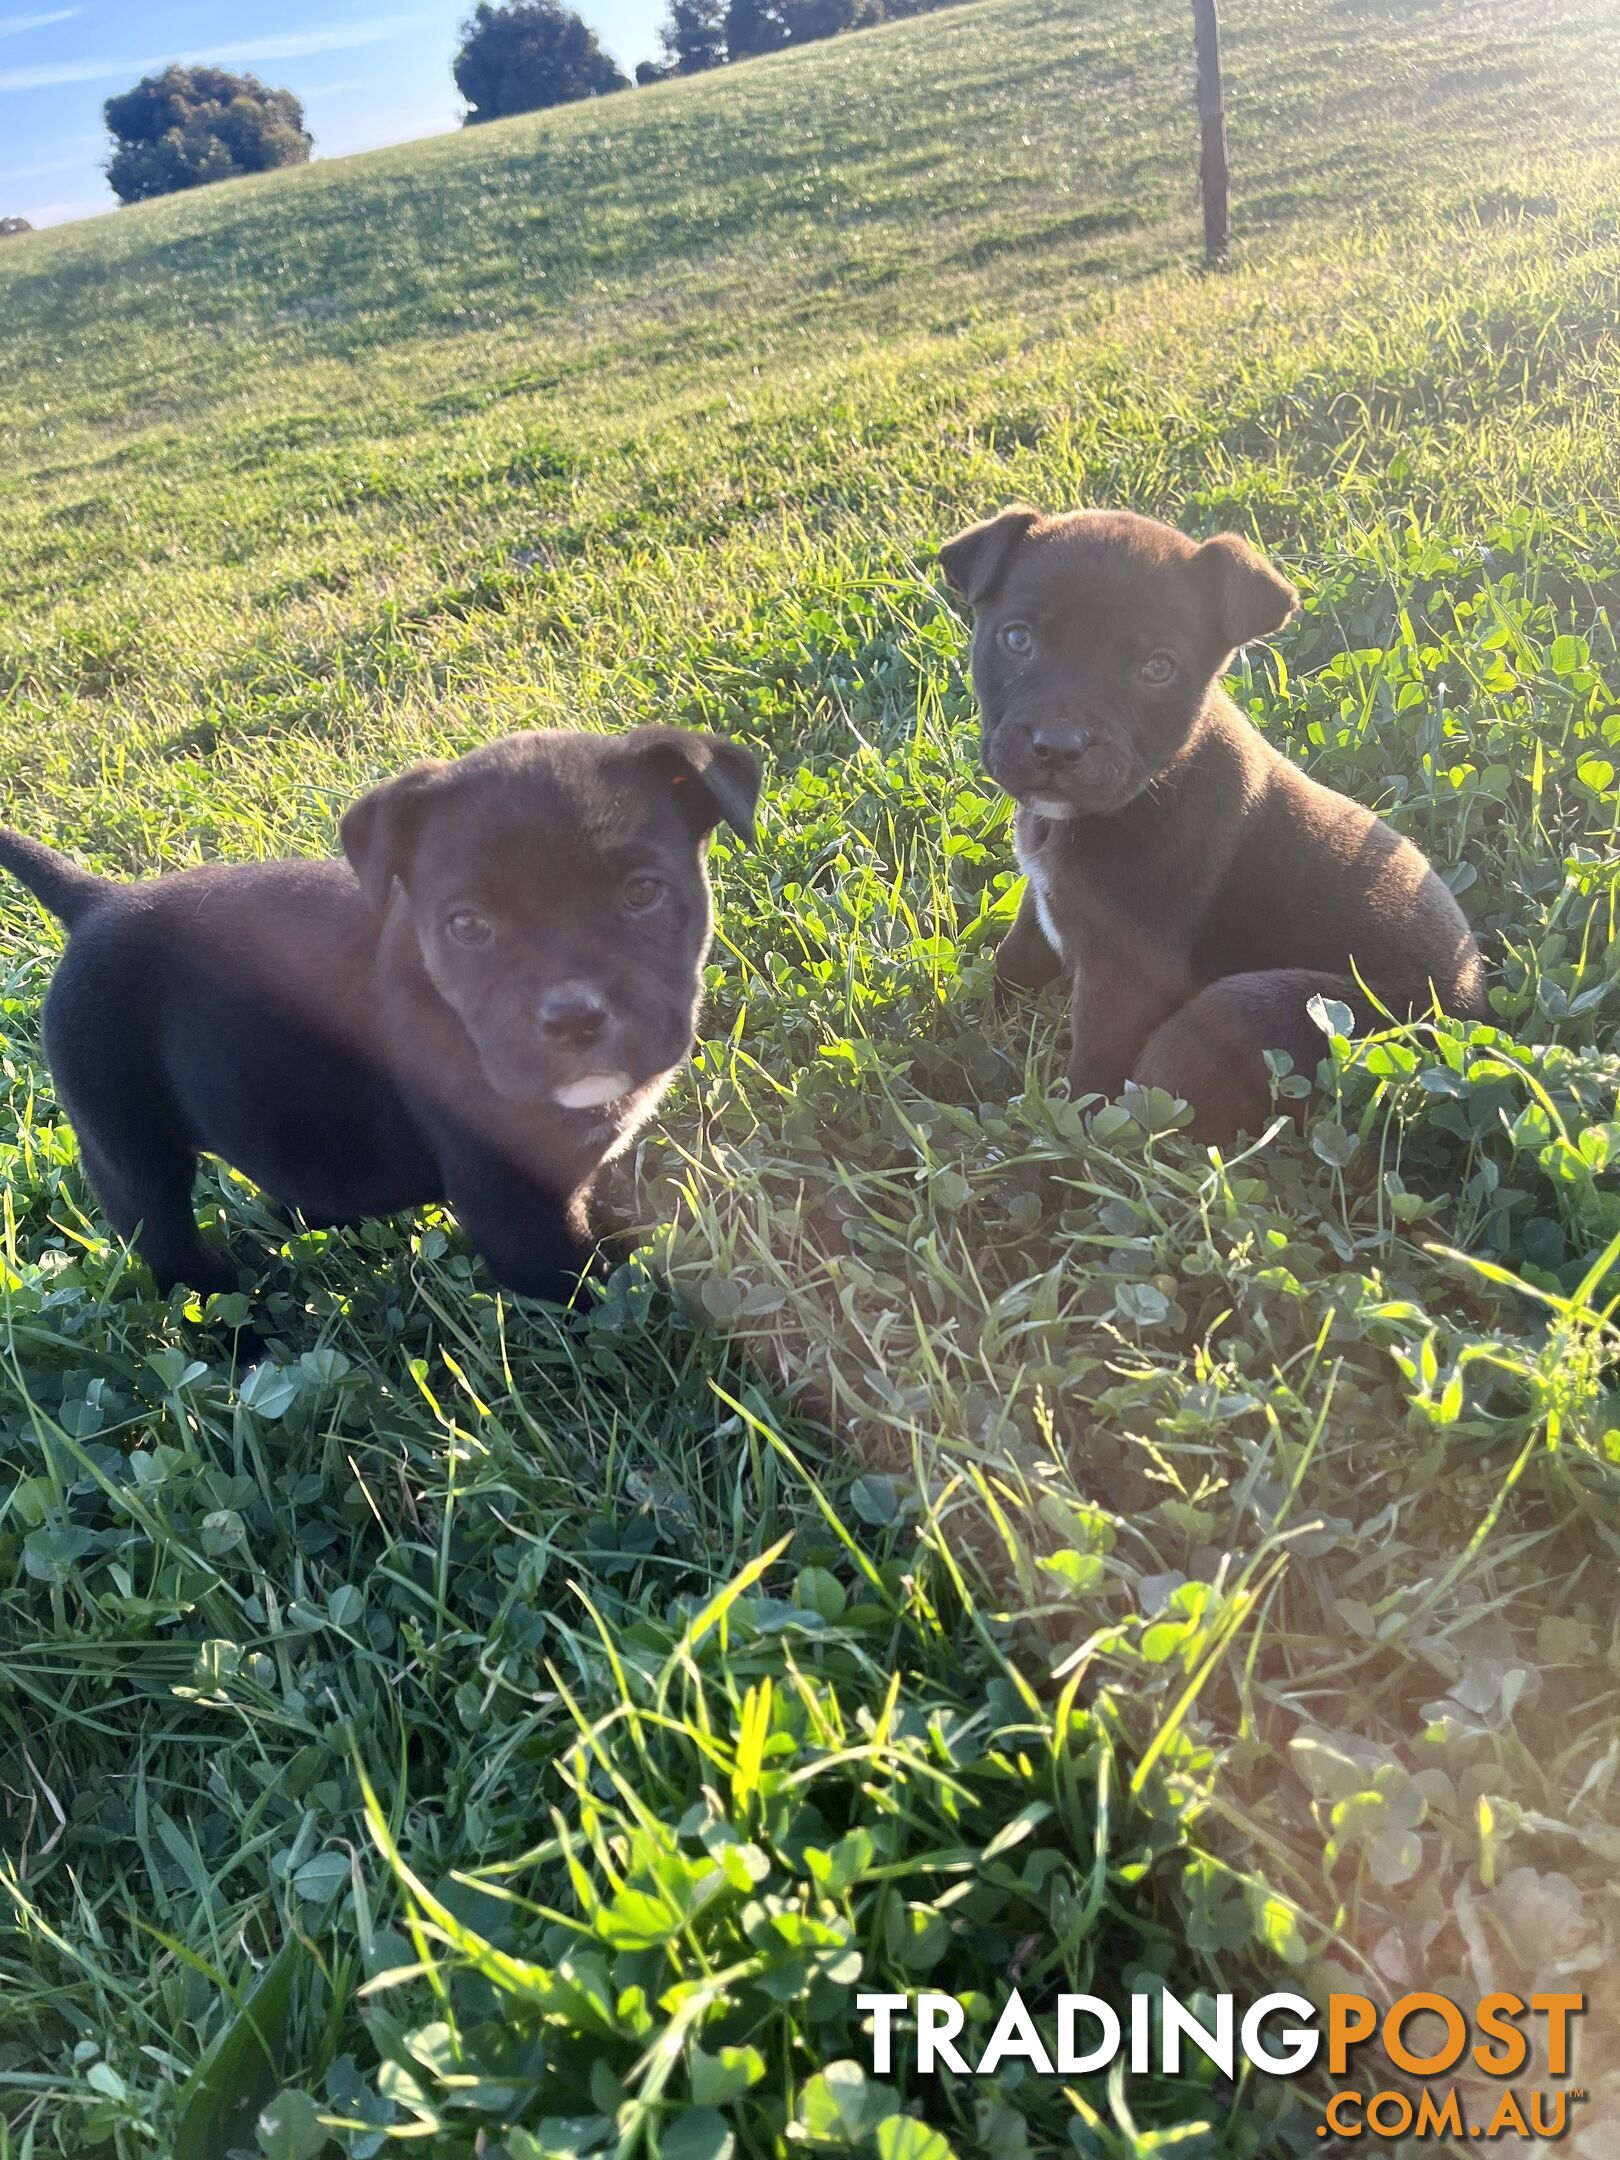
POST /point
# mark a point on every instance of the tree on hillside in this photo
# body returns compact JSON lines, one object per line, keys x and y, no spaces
{"x":804,"y":21}
{"x":708,"y":33}
{"x":695,"y":35}
{"x":188,"y":126}
{"x":10,"y":226}
{"x":754,"y":26}
{"x":525,"y":54}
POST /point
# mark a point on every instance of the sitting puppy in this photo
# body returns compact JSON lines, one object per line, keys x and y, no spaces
{"x":480,"y":1006}
{"x":1196,"y":887}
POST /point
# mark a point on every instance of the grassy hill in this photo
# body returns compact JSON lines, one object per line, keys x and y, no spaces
{"x":957,"y":1544}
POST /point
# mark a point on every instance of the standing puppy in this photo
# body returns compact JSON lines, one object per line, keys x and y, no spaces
{"x":1196,"y":887}
{"x":480,"y":1005}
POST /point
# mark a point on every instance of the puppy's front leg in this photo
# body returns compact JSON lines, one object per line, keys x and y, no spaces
{"x":1115,"y":1008}
{"x":1026,"y":957}
{"x":532,"y":1242}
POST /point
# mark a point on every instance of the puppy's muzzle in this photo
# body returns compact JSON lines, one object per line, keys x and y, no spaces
{"x":1057,"y":747}
{"x":1057,"y":764}
{"x":572,"y":1016}
{"x":584,"y":1046}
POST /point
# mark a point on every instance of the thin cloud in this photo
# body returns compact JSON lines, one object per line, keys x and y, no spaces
{"x":291,"y":45}
{"x":63,"y":213}
{"x":20,"y":173}
{"x":15,"y":25}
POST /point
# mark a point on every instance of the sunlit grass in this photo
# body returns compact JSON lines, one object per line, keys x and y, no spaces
{"x":956,"y":1544}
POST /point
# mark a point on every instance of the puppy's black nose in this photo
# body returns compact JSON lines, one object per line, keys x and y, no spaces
{"x":1059,"y":742}
{"x":572,"y":1016}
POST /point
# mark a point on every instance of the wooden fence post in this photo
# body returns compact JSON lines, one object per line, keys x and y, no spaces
{"x":1211,"y":128}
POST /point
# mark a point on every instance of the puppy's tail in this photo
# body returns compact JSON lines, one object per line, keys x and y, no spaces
{"x":65,"y":889}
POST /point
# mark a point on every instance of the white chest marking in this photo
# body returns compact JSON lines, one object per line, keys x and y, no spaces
{"x":1035,"y":870}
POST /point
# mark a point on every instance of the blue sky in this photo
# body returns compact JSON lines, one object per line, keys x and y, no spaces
{"x":367,"y":75}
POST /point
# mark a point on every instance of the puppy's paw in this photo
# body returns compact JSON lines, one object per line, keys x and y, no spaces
{"x":1093,"y":1083}
{"x":1013,"y":981}
{"x":543,"y":1279}
{"x":226,"y":1314}
{"x":1021,"y":970}
{"x":209,"y":1274}
{"x":248,"y":1348}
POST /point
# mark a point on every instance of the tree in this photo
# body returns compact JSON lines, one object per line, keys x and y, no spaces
{"x":754,"y":26}
{"x":695,"y":35}
{"x":525,"y":54}
{"x":807,"y":20}
{"x":11,"y":226}
{"x":188,"y":126}
{"x":708,"y":33}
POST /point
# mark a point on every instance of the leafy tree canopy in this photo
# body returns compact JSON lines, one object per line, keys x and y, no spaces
{"x":707,"y":33}
{"x":188,"y":126}
{"x":526,"y":54}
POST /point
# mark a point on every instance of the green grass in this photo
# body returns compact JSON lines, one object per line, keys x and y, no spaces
{"x":957,"y":1542}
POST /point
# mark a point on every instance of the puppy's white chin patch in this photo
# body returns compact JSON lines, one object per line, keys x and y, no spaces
{"x":1044,"y":807}
{"x":591,"y":1090}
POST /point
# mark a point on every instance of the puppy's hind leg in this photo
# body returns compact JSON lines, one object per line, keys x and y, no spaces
{"x":131,"y":1143}
{"x":148,"y":1198}
{"x":140,"y":1168}
{"x":1211,"y":1051}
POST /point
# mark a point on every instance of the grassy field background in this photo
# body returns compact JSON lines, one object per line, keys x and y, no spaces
{"x":957,"y":1545}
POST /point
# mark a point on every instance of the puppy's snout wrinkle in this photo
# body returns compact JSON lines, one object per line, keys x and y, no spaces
{"x":572,"y":1015}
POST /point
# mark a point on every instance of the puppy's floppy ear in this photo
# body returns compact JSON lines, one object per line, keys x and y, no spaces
{"x":379,"y":830}
{"x":976,"y":558}
{"x":1251,"y":598}
{"x":716,"y":782}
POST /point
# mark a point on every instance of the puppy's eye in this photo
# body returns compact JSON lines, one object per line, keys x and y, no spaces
{"x":1159,"y":668}
{"x":643,"y":893}
{"x":1018,"y":639}
{"x":467,"y":927}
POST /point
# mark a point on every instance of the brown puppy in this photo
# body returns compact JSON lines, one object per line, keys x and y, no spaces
{"x":1195,"y":886}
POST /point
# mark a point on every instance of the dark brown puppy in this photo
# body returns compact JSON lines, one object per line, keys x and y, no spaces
{"x":1196,"y":887}
{"x":479,"y":1006}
